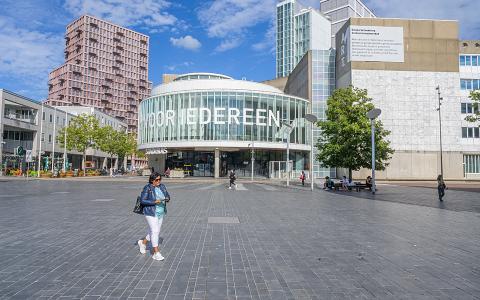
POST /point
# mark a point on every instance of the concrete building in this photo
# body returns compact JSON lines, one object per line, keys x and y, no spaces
{"x":339,"y":11}
{"x":401,"y":62}
{"x":299,"y":29}
{"x":106,"y":67}
{"x":35,"y":126}
{"x":206,"y":124}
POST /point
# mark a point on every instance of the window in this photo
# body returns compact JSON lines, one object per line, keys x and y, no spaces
{"x":475,"y":61}
{"x":464,"y":132}
{"x":470,"y":132}
{"x":463,"y":84}
{"x":464,"y":108}
{"x":472,"y":164}
{"x":43,"y":137}
{"x":462,"y":60}
{"x":468,"y":61}
{"x":51,"y":118}
{"x":49,"y":138}
{"x":43,"y":116}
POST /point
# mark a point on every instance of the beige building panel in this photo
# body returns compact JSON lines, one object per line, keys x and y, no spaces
{"x":413,"y":165}
{"x":469,"y":46}
{"x":445,"y":30}
{"x":430,"y":45}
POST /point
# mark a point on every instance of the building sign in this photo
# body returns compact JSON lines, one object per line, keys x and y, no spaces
{"x":374,"y":43}
{"x":217,"y":116}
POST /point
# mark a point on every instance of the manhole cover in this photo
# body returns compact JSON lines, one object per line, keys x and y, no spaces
{"x":223,"y":220}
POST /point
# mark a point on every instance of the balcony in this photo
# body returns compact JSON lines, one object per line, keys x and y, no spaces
{"x":78,"y":61}
{"x":143,"y":42}
{"x":144,"y":55}
{"x":116,"y":54}
{"x":143,"y":68}
{"x":92,"y":54}
{"x":93,"y":40}
{"x":93,"y":25}
{"x":119,"y":33}
{"x":118,"y":47}
{"x":117,"y":40}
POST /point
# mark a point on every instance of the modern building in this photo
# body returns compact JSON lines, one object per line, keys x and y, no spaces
{"x":206,"y":124}
{"x":401,"y":62}
{"x":35,"y":126}
{"x":339,"y":11}
{"x":106,"y":67}
{"x":314,"y":79}
{"x":299,"y":29}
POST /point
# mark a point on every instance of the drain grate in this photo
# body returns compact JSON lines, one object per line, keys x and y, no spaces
{"x":223,"y":220}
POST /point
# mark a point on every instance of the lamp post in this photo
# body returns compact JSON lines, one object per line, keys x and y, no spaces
{"x":372,"y":115}
{"x":312,"y":119}
{"x":65,"y":143}
{"x":40,"y":143}
{"x":54,"y":138}
{"x":440,"y":124}
{"x":289,"y":128}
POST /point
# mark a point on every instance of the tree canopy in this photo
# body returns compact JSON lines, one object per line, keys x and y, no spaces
{"x":345,"y":141}
{"x":475,"y":97}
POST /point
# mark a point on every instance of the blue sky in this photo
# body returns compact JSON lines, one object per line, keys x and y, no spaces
{"x":233,"y":37}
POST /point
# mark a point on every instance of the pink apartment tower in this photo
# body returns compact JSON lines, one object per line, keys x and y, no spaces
{"x":106,"y":67}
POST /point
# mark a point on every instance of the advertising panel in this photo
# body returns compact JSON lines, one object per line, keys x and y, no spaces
{"x":376,"y":43}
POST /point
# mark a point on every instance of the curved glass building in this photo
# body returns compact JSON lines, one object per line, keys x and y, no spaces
{"x":207,"y":124}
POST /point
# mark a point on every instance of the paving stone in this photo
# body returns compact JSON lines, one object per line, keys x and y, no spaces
{"x":288,"y":244}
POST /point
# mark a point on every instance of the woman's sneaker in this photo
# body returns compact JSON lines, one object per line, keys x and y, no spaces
{"x":158,"y":256}
{"x":141,"y":245}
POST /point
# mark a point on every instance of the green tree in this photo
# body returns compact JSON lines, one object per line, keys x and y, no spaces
{"x":475,"y":97}
{"x":106,"y":138}
{"x":82,"y":133}
{"x":345,"y":141}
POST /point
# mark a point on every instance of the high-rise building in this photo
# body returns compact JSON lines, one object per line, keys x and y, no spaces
{"x":106,"y":67}
{"x":339,"y":11}
{"x":299,"y":29}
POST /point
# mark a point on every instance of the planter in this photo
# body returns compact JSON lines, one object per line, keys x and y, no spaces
{"x":69,"y":175}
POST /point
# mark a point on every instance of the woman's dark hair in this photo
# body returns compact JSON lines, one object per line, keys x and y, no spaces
{"x":154,"y":176}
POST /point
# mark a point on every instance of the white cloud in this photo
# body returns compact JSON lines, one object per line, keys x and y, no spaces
{"x":187,"y":42}
{"x":231,"y":20}
{"x":28,"y":56}
{"x":178,"y":67}
{"x":465,"y":11}
{"x":125,"y":12}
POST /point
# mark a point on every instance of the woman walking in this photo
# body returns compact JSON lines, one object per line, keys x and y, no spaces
{"x":153,"y":198}
{"x":441,"y":186}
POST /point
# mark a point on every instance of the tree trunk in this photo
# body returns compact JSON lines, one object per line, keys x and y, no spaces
{"x":350,"y":174}
{"x":84,"y":163}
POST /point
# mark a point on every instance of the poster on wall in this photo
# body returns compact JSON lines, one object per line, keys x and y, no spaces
{"x":376,"y":43}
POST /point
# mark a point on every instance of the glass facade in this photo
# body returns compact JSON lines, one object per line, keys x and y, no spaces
{"x":323,"y":84}
{"x":302,"y":36}
{"x":285,"y":36}
{"x":183,"y":116}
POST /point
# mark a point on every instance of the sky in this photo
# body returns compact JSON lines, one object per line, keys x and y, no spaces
{"x":232,"y":37}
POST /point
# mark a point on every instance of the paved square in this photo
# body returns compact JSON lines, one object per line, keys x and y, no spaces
{"x":76,"y":240}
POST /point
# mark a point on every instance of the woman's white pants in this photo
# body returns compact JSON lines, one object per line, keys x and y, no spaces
{"x":154,"y":226}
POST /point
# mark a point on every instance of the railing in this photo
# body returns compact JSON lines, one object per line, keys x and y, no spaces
{"x":20,"y":117}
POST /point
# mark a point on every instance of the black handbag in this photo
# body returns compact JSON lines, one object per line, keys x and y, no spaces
{"x":138,"y":209}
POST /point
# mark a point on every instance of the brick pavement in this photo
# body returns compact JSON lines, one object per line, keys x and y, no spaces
{"x":72,"y":240}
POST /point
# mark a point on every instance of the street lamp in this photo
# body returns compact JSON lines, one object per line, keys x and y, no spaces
{"x":440,"y":124}
{"x":312,"y":119}
{"x":372,"y":115}
{"x":252,"y":158}
{"x":289,"y":128}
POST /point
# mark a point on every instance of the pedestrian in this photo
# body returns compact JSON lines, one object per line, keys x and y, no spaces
{"x":368,"y":182}
{"x":302,"y":178}
{"x":232,"y":177}
{"x":328,"y":184}
{"x":153,"y":199}
{"x":344,"y":183}
{"x":441,"y":187}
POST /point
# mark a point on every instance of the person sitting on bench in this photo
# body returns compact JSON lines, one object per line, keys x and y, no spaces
{"x":328,"y":184}
{"x":368,"y":182}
